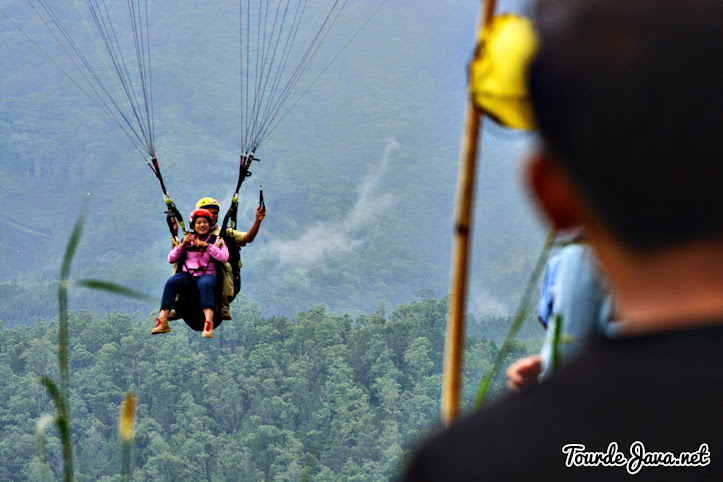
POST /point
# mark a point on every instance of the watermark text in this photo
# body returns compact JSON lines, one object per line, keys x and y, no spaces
{"x":639,"y":457}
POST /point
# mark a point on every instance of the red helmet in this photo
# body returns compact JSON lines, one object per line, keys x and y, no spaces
{"x":200,"y":213}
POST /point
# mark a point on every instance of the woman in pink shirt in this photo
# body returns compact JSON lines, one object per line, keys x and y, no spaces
{"x":197,"y":256}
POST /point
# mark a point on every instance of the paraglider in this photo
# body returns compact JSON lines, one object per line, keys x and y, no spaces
{"x":199,"y":257}
{"x":278,"y":41}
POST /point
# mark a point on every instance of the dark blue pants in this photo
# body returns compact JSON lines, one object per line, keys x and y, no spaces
{"x":183,"y":282}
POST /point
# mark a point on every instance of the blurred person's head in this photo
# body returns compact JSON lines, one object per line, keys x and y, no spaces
{"x":628,"y":97}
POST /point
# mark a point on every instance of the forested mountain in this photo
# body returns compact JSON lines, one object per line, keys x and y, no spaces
{"x":269,"y":398}
{"x":359,"y":179}
{"x":312,"y":378}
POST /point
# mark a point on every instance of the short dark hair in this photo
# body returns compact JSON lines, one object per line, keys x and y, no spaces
{"x":628,"y":97}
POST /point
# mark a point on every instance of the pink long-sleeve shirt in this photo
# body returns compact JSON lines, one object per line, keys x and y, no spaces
{"x":199,"y":262}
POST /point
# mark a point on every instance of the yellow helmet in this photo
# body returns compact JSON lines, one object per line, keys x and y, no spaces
{"x":207,"y":202}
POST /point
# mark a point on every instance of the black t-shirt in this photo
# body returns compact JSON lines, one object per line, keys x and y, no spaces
{"x":658,"y":397}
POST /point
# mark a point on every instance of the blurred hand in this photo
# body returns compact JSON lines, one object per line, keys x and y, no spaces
{"x":187,"y":240}
{"x":174,"y":226}
{"x":524,"y":372}
{"x":260,"y":213}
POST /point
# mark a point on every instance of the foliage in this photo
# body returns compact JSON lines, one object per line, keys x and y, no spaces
{"x":318,"y":396}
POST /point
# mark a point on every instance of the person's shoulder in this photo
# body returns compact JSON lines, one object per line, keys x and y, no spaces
{"x":239,"y":237}
{"x":524,"y":436}
{"x":617,"y":391}
{"x":575,"y":251}
{"x":497,"y":442}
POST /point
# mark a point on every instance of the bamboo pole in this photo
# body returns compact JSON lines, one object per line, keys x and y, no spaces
{"x":454,"y":344}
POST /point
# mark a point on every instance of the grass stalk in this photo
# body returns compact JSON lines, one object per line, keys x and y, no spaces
{"x":61,"y":396}
{"x":556,"y":340}
{"x":522,"y":311}
{"x":114,"y":288}
{"x":63,"y":304}
{"x":43,"y":422}
{"x":126,"y":431}
{"x":62,"y":423}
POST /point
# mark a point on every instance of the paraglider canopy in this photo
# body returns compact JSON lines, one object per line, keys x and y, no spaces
{"x":279,"y":39}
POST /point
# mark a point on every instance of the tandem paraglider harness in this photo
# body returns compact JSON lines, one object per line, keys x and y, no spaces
{"x":229,"y":221}
{"x":188,"y":304}
{"x":188,"y":301}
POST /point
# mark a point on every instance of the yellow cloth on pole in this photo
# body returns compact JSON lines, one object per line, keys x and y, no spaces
{"x":498,"y":73}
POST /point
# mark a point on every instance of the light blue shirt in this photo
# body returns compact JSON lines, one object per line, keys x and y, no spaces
{"x":573,"y":290}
